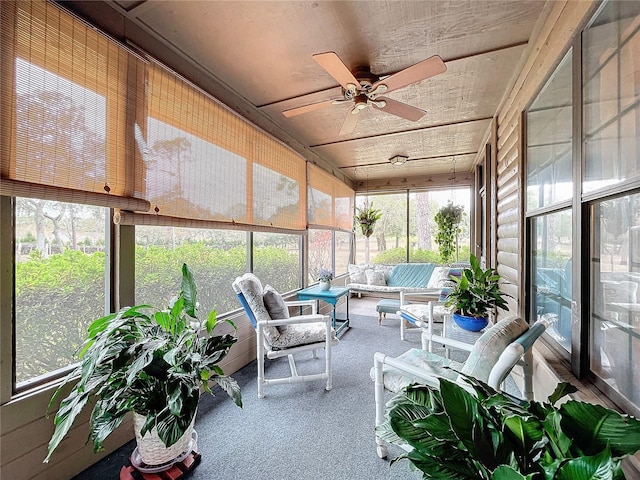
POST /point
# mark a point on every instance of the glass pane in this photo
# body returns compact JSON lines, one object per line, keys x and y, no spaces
{"x":388,"y":243}
{"x":320,"y":246}
{"x":216,"y":258}
{"x":343,"y":252}
{"x":615,"y":318}
{"x":611,"y":83}
{"x":59,"y":282}
{"x":276,"y":260}
{"x":551,"y":274}
{"x":549,"y":134}
{"x":423,"y":229}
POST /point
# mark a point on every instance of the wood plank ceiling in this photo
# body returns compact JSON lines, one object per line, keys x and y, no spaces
{"x":261,"y":51}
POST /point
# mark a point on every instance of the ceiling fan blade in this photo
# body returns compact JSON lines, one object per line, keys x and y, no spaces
{"x":425,"y":69}
{"x":337,"y":69}
{"x":292,"y":112}
{"x":350,"y":123}
{"x":399,"y":109}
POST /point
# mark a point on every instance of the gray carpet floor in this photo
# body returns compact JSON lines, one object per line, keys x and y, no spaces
{"x":298,"y":431}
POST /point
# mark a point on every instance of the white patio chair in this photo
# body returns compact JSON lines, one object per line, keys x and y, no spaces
{"x":491,"y":359}
{"x":279,"y":335}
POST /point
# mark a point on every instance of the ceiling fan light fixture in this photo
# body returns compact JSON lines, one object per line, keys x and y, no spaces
{"x":398,"y":160}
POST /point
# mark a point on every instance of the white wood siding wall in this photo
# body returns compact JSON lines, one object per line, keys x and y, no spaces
{"x":564,"y":21}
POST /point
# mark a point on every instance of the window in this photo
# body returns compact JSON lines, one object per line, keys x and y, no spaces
{"x":343,"y":251}
{"x":549,"y":147}
{"x":59,"y":283}
{"x":423,"y":207}
{"x":611,"y":53}
{"x":550,"y":184}
{"x":551,"y":274}
{"x":388,"y":244}
{"x":216,"y":258}
{"x":615,"y":317}
{"x":320,"y":253}
{"x":276,"y":260}
{"x":611,"y":145}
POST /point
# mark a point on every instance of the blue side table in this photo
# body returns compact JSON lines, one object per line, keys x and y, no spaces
{"x":330,"y":296}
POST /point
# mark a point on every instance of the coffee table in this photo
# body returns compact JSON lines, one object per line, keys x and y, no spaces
{"x":330,"y":296}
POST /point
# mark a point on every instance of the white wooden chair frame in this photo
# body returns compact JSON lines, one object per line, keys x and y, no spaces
{"x":516,"y":353}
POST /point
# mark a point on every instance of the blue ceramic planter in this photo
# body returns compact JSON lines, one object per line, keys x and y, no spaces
{"x":473,"y":324}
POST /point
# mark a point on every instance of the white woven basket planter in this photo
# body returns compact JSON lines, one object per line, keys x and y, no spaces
{"x":150,"y":447}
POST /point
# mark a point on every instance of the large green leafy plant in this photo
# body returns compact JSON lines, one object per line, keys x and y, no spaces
{"x":149,"y":361}
{"x":452,"y":433}
{"x":477,"y":291}
{"x":448,"y":221}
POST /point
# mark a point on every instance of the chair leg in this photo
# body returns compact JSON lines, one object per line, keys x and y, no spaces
{"x":260,"y":360}
{"x":378,"y":359}
{"x":327,"y":364}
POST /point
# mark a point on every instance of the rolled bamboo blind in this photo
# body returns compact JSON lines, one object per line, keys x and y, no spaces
{"x":74,"y":97}
{"x":206,"y":163}
{"x":330,"y":201}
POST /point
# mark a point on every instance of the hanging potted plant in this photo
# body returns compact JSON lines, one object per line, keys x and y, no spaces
{"x":153,"y":363}
{"x":366,"y":217}
{"x":475,"y":293}
{"x":448,"y":220}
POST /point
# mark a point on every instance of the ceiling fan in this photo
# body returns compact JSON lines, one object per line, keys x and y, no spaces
{"x":364,"y":89}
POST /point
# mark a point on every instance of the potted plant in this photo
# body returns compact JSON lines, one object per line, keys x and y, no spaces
{"x":151,"y":362}
{"x":324,"y":277}
{"x":367,"y":216}
{"x":475,"y":293}
{"x":448,"y":220}
{"x":452,"y":432}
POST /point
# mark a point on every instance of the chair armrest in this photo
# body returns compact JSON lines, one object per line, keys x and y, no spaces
{"x":452,"y":343}
{"x":303,"y":303}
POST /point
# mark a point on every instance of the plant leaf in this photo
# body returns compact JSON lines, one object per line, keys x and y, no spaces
{"x":561,"y":390}
{"x":189,"y":291}
{"x":593,"y":427}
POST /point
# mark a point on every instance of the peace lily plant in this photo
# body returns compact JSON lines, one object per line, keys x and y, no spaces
{"x":453,"y":432}
{"x":149,"y":361}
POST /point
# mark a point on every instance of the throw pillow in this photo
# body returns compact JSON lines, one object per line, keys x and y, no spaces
{"x":438,"y":277}
{"x":356,"y":274}
{"x":375,"y":277}
{"x":274,"y":303}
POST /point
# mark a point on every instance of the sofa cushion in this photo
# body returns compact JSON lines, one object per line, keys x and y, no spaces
{"x":438,"y":278}
{"x":356,"y":273}
{"x":375,"y":277}
{"x":411,"y":275}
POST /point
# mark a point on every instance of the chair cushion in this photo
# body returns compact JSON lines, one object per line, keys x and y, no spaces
{"x":251,"y":289}
{"x":432,"y":364}
{"x":274,"y":303}
{"x":491,"y":344}
{"x":302,"y":334}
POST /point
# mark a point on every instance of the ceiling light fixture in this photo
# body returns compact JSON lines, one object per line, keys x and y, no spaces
{"x":398,"y":160}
